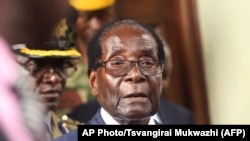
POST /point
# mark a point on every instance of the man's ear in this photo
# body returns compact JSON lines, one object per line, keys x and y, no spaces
{"x":93,"y":82}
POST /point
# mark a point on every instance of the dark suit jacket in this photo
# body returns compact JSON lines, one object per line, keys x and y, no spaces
{"x":172,"y":113}
{"x":169,"y":112}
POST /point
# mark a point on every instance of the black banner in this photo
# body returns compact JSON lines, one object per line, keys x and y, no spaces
{"x":218,"y":132}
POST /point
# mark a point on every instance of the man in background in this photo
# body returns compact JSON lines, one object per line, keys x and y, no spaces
{"x":45,"y":71}
{"x":92,"y":15}
{"x":22,"y":21}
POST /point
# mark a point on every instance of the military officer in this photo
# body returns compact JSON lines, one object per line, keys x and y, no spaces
{"x":47,"y":67}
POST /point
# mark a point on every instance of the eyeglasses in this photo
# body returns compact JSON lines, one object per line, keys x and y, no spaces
{"x":38,"y":67}
{"x":122,"y":67}
{"x":69,"y":68}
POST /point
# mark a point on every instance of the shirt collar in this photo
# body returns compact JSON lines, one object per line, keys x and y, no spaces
{"x":108,"y":119}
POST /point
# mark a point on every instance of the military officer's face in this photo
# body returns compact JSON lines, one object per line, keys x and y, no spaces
{"x":47,"y":77}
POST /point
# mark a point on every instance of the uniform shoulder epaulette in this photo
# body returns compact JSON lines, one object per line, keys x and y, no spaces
{"x":67,"y":124}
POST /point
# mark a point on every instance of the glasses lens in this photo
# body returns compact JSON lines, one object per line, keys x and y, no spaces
{"x":117,"y":67}
{"x":71,"y":71}
{"x":150,"y":67}
{"x":122,"y":67}
{"x":69,"y":68}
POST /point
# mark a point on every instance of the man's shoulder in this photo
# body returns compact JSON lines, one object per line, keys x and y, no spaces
{"x":173,"y":113}
{"x":79,"y":113}
{"x":172,"y":106}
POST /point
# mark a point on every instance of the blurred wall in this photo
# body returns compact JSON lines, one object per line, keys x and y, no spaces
{"x":225,"y":29}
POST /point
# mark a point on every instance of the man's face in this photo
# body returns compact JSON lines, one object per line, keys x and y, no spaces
{"x":133,"y":95}
{"x":89,"y":22}
{"x":46,"y":77}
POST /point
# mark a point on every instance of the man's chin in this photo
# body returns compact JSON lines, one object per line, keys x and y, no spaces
{"x":51,"y":107}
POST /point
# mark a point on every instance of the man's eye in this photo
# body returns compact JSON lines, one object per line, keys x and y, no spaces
{"x":117,"y":62}
{"x":147,"y":63}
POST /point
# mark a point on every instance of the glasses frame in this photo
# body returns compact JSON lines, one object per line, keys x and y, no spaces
{"x":131,"y":62}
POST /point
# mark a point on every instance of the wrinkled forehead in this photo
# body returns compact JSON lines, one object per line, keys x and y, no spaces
{"x":117,"y":38}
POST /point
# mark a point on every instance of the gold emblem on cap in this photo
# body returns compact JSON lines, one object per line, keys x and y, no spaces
{"x":61,"y":29}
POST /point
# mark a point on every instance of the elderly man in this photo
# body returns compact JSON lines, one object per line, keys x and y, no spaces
{"x":126,"y":61}
{"x":168,"y":113}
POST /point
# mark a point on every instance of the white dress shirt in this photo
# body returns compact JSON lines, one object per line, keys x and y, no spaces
{"x":108,"y":119}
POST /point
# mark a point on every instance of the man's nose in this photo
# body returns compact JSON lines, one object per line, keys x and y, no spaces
{"x":135,"y":73}
{"x":52,"y":76}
